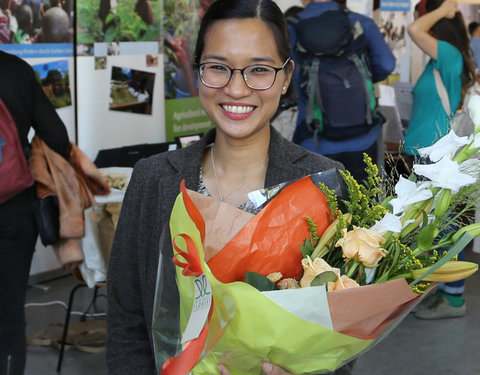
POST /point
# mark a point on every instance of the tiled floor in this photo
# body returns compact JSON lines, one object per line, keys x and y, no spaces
{"x":416,"y":347}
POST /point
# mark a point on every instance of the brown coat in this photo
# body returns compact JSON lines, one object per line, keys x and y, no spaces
{"x":71,"y":181}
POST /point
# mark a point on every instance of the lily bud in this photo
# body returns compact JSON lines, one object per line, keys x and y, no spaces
{"x":416,"y":214}
{"x":450,"y":271}
{"x":472,"y":229}
{"x":328,"y":236}
{"x":443,"y":202}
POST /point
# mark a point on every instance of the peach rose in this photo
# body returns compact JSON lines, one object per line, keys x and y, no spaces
{"x":312,"y":269}
{"x":343,"y":282}
{"x":363,"y":245}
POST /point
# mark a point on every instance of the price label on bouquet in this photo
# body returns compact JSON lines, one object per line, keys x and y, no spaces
{"x":200,"y":309}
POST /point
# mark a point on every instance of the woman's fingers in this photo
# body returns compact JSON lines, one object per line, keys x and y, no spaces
{"x":270,"y":369}
{"x":223,"y":370}
{"x":267,"y":368}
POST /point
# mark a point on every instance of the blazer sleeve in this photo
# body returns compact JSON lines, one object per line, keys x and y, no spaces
{"x":128,"y":346}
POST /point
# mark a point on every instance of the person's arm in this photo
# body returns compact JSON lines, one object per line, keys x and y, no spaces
{"x":419,"y":30}
{"x":380,"y":56}
{"x":128,"y":346}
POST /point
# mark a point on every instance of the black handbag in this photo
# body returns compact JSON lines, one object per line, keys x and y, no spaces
{"x":47,"y":216}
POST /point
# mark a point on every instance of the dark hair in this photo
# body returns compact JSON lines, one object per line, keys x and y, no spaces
{"x":454,"y":31}
{"x":265,"y":10}
{"x":472,"y":26}
{"x":293,"y":11}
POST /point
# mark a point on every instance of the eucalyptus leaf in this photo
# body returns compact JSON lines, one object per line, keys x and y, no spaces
{"x":323,"y":278}
{"x":259,"y":282}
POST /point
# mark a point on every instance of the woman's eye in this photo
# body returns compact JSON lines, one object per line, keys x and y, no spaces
{"x":216,"y":68}
{"x":259,"y":69}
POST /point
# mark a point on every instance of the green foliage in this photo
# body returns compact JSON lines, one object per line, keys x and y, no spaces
{"x":126,"y":24}
{"x":259,"y":282}
{"x":307,"y":248}
{"x":324,"y":278}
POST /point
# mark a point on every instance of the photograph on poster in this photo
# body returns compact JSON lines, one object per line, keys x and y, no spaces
{"x":181,"y":25}
{"x":85,"y":49}
{"x":393,"y":29}
{"x":119,"y":20}
{"x":55,"y":81}
{"x":100,"y":62}
{"x":36,"y":22}
{"x":152,"y":60}
{"x":131,"y":90}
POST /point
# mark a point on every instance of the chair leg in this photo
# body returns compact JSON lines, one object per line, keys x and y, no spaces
{"x":65,"y":327}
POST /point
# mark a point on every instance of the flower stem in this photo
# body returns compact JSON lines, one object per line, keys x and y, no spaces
{"x":353,"y":268}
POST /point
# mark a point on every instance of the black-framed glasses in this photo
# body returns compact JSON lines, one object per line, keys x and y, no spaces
{"x":256,"y":76}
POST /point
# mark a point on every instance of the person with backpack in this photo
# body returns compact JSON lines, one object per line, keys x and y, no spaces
{"x":24,"y":104}
{"x":338,"y":56}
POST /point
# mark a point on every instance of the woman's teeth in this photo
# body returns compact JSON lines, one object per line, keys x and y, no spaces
{"x":237,"y":108}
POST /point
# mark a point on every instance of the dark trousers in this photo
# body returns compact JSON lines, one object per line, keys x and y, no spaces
{"x":18,"y":234}
{"x":353,"y":161}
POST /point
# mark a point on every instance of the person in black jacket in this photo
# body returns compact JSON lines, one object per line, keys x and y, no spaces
{"x":30,"y":108}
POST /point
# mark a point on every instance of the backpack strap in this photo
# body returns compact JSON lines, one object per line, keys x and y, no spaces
{"x":361,"y":68}
{"x":313,"y":90}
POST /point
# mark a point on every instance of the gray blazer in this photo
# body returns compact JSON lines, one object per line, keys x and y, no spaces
{"x":149,"y":199}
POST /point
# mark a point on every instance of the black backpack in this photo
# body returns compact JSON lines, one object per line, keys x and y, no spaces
{"x":334,"y":75}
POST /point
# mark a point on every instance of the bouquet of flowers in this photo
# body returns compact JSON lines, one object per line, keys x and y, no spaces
{"x":364,"y":262}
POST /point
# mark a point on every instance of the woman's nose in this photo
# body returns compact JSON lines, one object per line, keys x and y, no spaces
{"x":237,"y":87}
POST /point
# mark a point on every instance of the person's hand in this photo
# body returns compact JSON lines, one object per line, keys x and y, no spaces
{"x":267,"y":368}
{"x":450,"y":8}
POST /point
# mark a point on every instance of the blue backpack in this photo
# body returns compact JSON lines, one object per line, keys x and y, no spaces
{"x":334,"y":75}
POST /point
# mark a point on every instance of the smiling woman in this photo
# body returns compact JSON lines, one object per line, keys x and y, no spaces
{"x":242,"y":58}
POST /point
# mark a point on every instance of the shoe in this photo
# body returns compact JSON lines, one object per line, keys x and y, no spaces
{"x":428,"y":301}
{"x":441,"y":309}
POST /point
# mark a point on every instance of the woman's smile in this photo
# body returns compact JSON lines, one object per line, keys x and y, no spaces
{"x":237,"y":111}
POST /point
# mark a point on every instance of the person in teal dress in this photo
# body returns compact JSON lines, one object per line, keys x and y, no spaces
{"x":440,"y":33}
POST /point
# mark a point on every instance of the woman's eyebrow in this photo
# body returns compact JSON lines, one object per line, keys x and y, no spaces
{"x":261,"y":59}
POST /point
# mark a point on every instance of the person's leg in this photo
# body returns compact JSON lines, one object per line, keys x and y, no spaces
{"x":353,"y":161}
{"x":18,"y":235}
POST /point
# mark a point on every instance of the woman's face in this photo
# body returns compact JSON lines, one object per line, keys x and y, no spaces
{"x":238,"y":111}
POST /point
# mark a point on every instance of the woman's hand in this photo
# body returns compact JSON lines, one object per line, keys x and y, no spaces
{"x":267,"y":368}
{"x":450,"y":8}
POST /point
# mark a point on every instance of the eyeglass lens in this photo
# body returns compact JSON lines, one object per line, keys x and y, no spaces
{"x":255,"y":76}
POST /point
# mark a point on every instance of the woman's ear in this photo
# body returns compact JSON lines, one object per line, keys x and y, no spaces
{"x":288,"y":76}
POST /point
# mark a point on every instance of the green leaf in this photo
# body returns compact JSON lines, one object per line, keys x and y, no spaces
{"x":324,"y":278}
{"x":259,"y":282}
{"x":307,"y":249}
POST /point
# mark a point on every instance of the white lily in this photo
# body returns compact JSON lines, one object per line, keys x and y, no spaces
{"x":445,"y":146}
{"x":444,"y":174}
{"x":408,"y":193}
{"x":476,"y":140}
{"x":389,"y":223}
{"x":474,"y":110}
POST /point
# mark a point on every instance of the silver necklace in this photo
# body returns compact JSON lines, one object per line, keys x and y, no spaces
{"x":239,"y":185}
